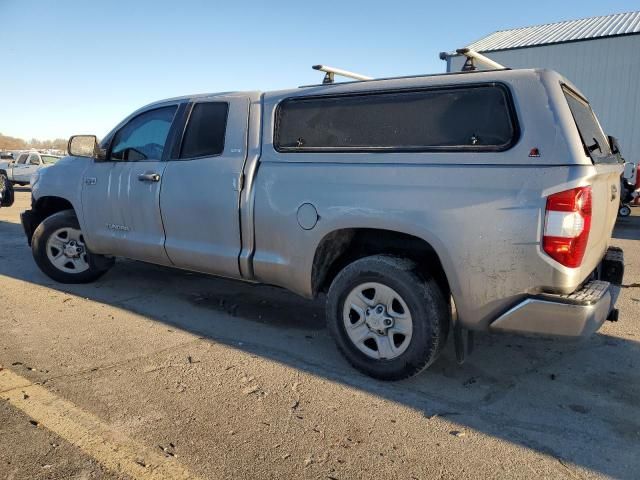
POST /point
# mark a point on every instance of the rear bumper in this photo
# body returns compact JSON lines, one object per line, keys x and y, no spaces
{"x":575,"y":315}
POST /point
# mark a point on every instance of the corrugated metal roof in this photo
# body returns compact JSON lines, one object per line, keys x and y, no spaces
{"x":568,"y":31}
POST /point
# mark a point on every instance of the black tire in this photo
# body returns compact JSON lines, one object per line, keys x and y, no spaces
{"x":624,"y":210}
{"x":427,"y":305}
{"x":6,"y":191}
{"x":98,"y":265}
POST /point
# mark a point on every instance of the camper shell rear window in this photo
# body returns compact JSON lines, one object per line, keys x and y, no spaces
{"x":462,"y":118}
{"x":594,"y":141}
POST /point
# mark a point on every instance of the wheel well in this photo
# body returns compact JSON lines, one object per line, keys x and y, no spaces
{"x":47,"y":206}
{"x":341,"y":247}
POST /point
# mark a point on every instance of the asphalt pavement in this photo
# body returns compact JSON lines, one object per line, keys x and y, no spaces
{"x":159,"y":373}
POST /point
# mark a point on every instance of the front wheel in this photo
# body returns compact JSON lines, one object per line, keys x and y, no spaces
{"x":386,"y":318}
{"x":60,"y":251}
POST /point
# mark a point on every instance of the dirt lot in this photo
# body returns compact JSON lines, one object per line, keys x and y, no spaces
{"x":153,"y":373}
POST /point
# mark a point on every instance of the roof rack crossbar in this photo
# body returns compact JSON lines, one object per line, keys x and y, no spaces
{"x":472,"y":55}
{"x":331,"y":72}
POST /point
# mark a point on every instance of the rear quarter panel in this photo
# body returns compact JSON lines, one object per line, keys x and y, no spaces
{"x":485,"y":224}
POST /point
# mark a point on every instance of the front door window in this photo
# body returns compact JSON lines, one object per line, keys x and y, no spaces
{"x":144,"y":137}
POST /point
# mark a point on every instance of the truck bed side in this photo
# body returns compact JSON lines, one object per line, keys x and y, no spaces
{"x":483,"y":215}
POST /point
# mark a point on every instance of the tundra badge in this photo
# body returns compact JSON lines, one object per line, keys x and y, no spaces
{"x":120,"y":228}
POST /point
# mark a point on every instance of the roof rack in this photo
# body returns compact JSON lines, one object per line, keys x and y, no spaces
{"x":472,"y":57}
{"x":331,"y":72}
{"x":469,"y":66}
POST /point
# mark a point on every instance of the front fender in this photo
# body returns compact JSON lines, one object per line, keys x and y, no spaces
{"x":63,"y":180}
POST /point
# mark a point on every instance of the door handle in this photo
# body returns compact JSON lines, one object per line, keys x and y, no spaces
{"x":149,"y":177}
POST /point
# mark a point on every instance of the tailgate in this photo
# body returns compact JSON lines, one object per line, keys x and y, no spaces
{"x":605,"y":180}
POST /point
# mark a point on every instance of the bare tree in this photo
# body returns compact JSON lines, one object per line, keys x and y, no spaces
{"x":12,"y":143}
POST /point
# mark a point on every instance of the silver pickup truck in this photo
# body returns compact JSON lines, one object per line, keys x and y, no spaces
{"x":480,"y":201}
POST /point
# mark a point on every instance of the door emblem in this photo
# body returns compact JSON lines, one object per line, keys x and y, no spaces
{"x":91,"y":180}
{"x":614,"y":191}
{"x":120,"y":228}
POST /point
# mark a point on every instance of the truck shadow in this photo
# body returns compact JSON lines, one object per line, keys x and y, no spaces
{"x":576,"y":402}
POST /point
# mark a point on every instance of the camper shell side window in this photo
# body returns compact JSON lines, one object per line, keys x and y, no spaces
{"x":477,"y":117}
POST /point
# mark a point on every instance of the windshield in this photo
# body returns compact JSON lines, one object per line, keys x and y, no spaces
{"x":594,"y":141}
{"x":49,"y":159}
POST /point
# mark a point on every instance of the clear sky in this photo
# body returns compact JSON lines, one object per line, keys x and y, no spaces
{"x":80,"y":66}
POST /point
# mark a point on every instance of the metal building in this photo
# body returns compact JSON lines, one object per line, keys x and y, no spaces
{"x":600,"y":55}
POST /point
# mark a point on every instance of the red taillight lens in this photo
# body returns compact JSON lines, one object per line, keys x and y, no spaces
{"x":567,"y":224}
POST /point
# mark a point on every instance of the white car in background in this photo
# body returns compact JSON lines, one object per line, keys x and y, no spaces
{"x":28,"y":163}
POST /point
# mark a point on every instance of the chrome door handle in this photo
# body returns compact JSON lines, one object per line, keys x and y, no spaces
{"x":149,"y":177}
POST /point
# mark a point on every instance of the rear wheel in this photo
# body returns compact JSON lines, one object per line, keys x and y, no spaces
{"x":387,"y":319}
{"x":60,"y":251}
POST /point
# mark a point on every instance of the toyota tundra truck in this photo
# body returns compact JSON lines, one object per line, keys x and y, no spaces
{"x":472,"y":201}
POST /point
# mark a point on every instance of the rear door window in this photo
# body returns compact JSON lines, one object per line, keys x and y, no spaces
{"x":594,"y":141}
{"x":205,"y":132}
{"x":476,"y":117}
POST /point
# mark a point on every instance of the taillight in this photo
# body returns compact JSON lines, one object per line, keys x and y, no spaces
{"x":567,"y":224}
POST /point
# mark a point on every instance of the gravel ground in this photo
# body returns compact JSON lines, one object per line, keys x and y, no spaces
{"x":240,"y":381}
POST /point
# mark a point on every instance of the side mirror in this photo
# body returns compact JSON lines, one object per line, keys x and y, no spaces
{"x":614,"y":145}
{"x":85,"y":146}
